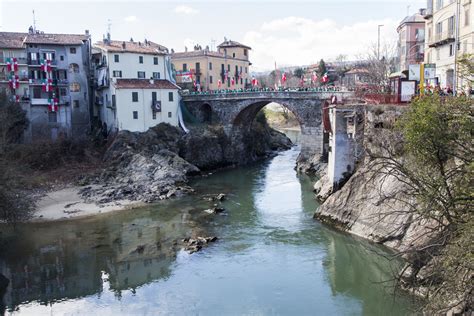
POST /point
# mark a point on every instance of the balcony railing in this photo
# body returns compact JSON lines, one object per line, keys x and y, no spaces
{"x":442,"y":38}
{"x":37,"y":62}
{"x":20,"y":60}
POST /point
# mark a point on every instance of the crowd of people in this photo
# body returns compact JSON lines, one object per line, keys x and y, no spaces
{"x":258,"y":90}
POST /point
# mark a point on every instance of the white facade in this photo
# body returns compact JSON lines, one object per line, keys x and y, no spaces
{"x":139,"y":116}
{"x":441,"y":48}
{"x":144,"y":68}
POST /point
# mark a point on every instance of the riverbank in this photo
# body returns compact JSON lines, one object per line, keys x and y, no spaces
{"x":143,"y":168}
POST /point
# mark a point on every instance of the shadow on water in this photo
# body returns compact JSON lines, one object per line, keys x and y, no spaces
{"x":272,"y":257}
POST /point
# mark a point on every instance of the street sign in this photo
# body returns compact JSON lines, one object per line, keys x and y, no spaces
{"x":414,"y":72}
{"x":430,"y":71}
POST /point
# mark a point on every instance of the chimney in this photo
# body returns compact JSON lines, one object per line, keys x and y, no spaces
{"x":87,"y":32}
{"x":185,"y":49}
{"x":108,"y":37}
{"x":124,"y":45}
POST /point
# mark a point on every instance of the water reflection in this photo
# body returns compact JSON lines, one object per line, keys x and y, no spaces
{"x":272,"y":258}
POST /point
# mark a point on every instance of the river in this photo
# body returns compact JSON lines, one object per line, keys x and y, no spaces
{"x":272,"y":257}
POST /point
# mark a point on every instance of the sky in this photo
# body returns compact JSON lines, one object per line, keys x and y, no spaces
{"x":291,"y":32}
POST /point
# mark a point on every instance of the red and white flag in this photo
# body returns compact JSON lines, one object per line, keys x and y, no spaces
{"x":314,"y":77}
{"x":232,"y":81}
{"x":254,"y":82}
{"x":219,"y":83}
{"x":12,"y":64}
{"x":46,"y":65}
{"x":325,"y":78}
{"x":53,"y":105}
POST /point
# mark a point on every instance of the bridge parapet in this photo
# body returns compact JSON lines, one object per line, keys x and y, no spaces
{"x":269,"y":95}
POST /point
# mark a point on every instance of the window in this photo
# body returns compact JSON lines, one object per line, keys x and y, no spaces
{"x":61,"y":58}
{"x":33,"y":56}
{"x":185,"y":67}
{"x":155,"y":60}
{"x":210,"y":79}
{"x":134,"y":96}
{"x":135,"y":115}
{"x":72,"y":50}
{"x":451,"y":50}
{"x":466,"y":17}
{"x":246,"y":70}
{"x":116,"y":58}
{"x":169,"y":114}
{"x":437,"y":54}
{"x":153,"y":96}
{"x":170,"y":96}
{"x":228,"y":67}
{"x":451,"y":25}
{"x":75,"y":87}
{"x":113,"y":100}
{"x":246,"y":52}
{"x":117,"y":73}
{"x":75,"y":103}
{"x":141,"y":75}
{"x":63,"y":92}
{"x":140,"y":59}
{"x":74,"y":68}
{"x":439,"y":4}
{"x":36,"y":92}
{"x":52,"y":117}
{"x":153,"y":115}
{"x":233,"y":55}
{"x":156,"y":75}
{"x":198,"y":68}
{"x":210,"y":66}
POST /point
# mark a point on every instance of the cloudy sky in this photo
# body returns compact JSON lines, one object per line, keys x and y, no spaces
{"x":291,"y":32}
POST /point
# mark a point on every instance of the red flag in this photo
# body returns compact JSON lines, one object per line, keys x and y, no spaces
{"x":12,"y":64}
{"x":232,"y":81}
{"x":283,"y":78}
{"x":53,"y":105}
{"x":325,"y":78}
{"x":314,"y":77}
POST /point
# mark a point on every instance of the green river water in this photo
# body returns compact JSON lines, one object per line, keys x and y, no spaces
{"x":272,"y":257}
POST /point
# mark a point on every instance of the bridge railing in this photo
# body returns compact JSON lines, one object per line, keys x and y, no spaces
{"x":260,"y":90}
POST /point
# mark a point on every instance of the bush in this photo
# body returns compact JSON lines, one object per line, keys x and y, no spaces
{"x":13,"y":122}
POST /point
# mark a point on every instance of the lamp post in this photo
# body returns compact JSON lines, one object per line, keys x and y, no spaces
{"x":456,"y":44}
{"x":378,"y":41}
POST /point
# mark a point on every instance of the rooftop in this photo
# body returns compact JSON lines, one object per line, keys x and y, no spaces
{"x":197,"y":53}
{"x":415,"y":18}
{"x":147,"y":47}
{"x":56,"y":39}
{"x":12,"y":39}
{"x":145,"y":84}
{"x":229,"y":43}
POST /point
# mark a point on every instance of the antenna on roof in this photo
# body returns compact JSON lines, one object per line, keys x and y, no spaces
{"x":34,"y":22}
{"x":109,"y":25}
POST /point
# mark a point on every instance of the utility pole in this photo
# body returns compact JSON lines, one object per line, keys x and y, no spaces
{"x":456,"y":45}
{"x":378,"y":41}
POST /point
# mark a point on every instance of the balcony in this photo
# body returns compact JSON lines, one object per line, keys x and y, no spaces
{"x":442,"y":39}
{"x":20,"y":60}
{"x":38,"y":101}
{"x":428,"y":13}
{"x":37,"y":62}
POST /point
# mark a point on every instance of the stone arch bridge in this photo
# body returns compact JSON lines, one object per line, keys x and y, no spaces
{"x":236,"y":112}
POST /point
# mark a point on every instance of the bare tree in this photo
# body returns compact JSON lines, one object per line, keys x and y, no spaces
{"x":379,"y":69}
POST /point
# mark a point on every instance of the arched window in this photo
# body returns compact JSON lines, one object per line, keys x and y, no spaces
{"x":73,"y":67}
{"x":75,"y":87}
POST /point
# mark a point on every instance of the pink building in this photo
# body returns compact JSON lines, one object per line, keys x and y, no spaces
{"x":411,"y":43}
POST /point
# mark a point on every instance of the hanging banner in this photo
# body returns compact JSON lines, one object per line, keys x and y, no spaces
{"x":184,"y":76}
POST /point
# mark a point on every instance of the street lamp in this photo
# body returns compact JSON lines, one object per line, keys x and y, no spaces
{"x":378,"y":41}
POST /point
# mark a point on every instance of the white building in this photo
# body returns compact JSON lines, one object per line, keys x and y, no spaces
{"x":133,"y":86}
{"x":442,"y":21}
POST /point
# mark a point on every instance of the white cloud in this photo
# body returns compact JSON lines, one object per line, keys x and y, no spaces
{"x":131,"y":18}
{"x":183,"y":9}
{"x":301,"y":41}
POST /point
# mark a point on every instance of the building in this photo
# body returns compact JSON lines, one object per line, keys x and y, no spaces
{"x":226,"y":68}
{"x":133,"y":86}
{"x":443,"y":18}
{"x":49,"y":79}
{"x":411,"y":41}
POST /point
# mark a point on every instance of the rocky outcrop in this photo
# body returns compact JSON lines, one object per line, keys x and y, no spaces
{"x":156,"y":165}
{"x":375,"y":207}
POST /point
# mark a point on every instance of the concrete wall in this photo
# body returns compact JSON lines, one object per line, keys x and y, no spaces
{"x":125,"y":109}
{"x":130,"y":66}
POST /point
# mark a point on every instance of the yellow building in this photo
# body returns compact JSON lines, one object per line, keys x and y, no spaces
{"x":228,"y":68}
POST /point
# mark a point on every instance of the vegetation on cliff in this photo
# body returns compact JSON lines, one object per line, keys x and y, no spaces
{"x":431,"y":152}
